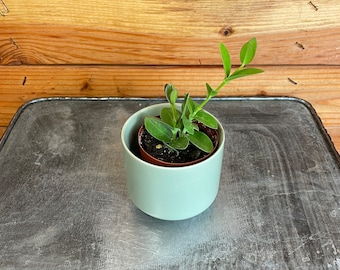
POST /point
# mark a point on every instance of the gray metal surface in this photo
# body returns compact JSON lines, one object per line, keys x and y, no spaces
{"x":64,"y":204}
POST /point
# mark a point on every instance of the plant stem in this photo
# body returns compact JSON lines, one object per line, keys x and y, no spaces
{"x":223,"y":83}
{"x":206,"y":100}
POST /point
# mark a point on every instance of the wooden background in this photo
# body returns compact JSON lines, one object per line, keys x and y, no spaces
{"x":131,"y":48}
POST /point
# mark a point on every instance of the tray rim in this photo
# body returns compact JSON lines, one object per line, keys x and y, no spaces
{"x":308,"y":105}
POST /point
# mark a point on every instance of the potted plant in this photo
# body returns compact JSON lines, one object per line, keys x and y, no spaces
{"x":162,"y":184}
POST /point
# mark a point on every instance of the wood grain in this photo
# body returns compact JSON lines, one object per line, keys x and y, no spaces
{"x":155,"y":32}
{"x":317,"y":85}
{"x":53,"y":44}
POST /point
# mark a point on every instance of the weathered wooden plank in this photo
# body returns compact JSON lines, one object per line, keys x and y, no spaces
{"x":2,"y":131}
{"x":317,"y":85}
{"x":167,"y":32}
{"x":52,"y":44}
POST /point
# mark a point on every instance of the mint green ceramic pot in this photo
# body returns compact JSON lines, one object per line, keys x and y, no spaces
{"x":169,"y":193}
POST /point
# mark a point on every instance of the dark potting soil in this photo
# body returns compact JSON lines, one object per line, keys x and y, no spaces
{"x":162,"y":152}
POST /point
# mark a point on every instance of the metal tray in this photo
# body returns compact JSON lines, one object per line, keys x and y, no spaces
{"x":64,"y":204}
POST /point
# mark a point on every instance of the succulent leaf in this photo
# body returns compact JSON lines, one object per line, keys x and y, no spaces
{"x":189,"y":126}
{"x":244,"y":72}
{"x":210,"y":92}
{"x":168,"y":116}
{"x":201,"y":141}
{"x":225,"y":59}
{"x":206,"y":119}
{"x":180,"y":143}
{"x":171,"y":93}
{"x":248,"y":51}
{"x":158,"y":129}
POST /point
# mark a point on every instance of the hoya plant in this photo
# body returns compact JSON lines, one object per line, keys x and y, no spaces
{"x":177,"y":125}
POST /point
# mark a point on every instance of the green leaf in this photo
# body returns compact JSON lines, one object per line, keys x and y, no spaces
{"x":191,"y":105}
{"x":188,"y":106}
{"x":201,"y":141}
{"x":210,"y":92}
{"x":248,"y":51}
{"x":171,"y":93}
{"x":206,"y":119}
{"x":185,"y":105}
{"x":188,"y":125}
{"x":173,"y":96}
{"x":158,"y":129}
{"x":168,"y":117}
{"x":167,"y":91}
{"x":225,"y":59}
{"x":180,"y":143}
{"x":244,"y":72}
